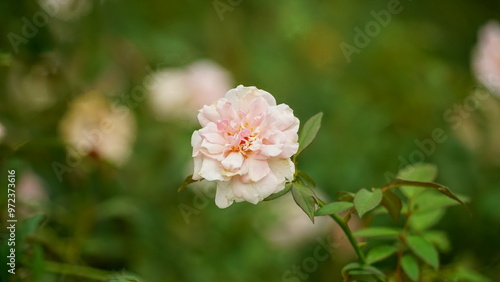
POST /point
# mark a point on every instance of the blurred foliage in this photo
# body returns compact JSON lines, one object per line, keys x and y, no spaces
{"x":129,"y":223}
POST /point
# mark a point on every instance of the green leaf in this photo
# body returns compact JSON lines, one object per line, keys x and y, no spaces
{"x":334,"y":207}
{"x":420,"y":221}
{"x":305,"y":179}
{"x":424,"y":250}
{"x":288,"y":186}
{"x":392,"y":203}
{"x":438,"y":239}
{"x":431,"y":200}
{"x":186,"y":182}
{"x":365,"y":201}
{"x":309,"y":132}
{"x":305,"y":199}
{"x":29,"y":226}
{"x":355,"y":268}
{"x":464,"y":274}
{"x":377,"y":232}
{"x":410,"y":267}
{"x":379,"y":253}
{"x":429,"y":185}
{"x":349,"y":267}
{"x":416,"y":172}
{"x":345,"y":196}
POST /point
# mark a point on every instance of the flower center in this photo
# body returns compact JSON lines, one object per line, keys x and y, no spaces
{"x":239,"y":137}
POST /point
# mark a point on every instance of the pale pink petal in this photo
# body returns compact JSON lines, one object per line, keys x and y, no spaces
{"x":233,"y":161}
{"x":224,"y":195}
{"x":197,"y":161}
{"x":196,"y":142}
{"x":208,"y":114}
{"x":257,"y":169}
{"x":211,"y":170}
{"x":211,"y":148}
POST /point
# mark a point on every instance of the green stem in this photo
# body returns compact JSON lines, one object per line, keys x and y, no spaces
{"x":350,"y":237}
{"x":348,"y":233}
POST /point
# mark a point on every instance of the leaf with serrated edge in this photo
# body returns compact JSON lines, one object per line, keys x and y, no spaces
{"x":424,"y":250}
{"x":309,"y":132}
{"x":379,"y":253}
{"x":305,"y":199}
{"x":410,"y":267}
{"x":365,"y":201}
{"x":392,"y":203}
{"x":334,"y":207}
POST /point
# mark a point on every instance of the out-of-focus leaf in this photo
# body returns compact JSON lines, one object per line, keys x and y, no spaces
{"x":365,"y":201}
{"x":29,"y":226}
{"x":186,"y":182}
{"x":464,"y":274}
{"x":410,"y":267}
{"x":392,"y":203}
{"x":430,"y":200}
{"x":417,"y":172}
{"x":377,"y":232}
{"x":379,"y":253}
{"x":305,"y":199}
{"x":288,"y":186}
{"x":424,"y":250}
{"x":438,"y":239}
{"x":421,"y":221}
{"x":309,"y":132}
{"x":334,"y":207}
{"x":355,"y":268}
{"x":349,"y":267}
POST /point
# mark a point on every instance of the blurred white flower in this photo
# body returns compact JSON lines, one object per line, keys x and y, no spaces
{"x":486,"y":57}
{"x":180,"y":93}
{"x":66,"y":10}
{"x":94,"y":126}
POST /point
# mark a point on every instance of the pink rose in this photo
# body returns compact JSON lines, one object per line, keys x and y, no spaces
{"x":486,"y":59}
{"x":245,"y":145}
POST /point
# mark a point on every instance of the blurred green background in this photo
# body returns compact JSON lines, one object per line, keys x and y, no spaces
{"x":126,"y":216}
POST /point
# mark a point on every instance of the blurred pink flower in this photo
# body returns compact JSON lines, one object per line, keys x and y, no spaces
{"x":486,"y":57}
{"x":179,"y":93}
{"x":245,"y":145}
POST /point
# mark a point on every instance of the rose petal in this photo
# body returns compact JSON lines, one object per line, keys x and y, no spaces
{"x":233,"y":161}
